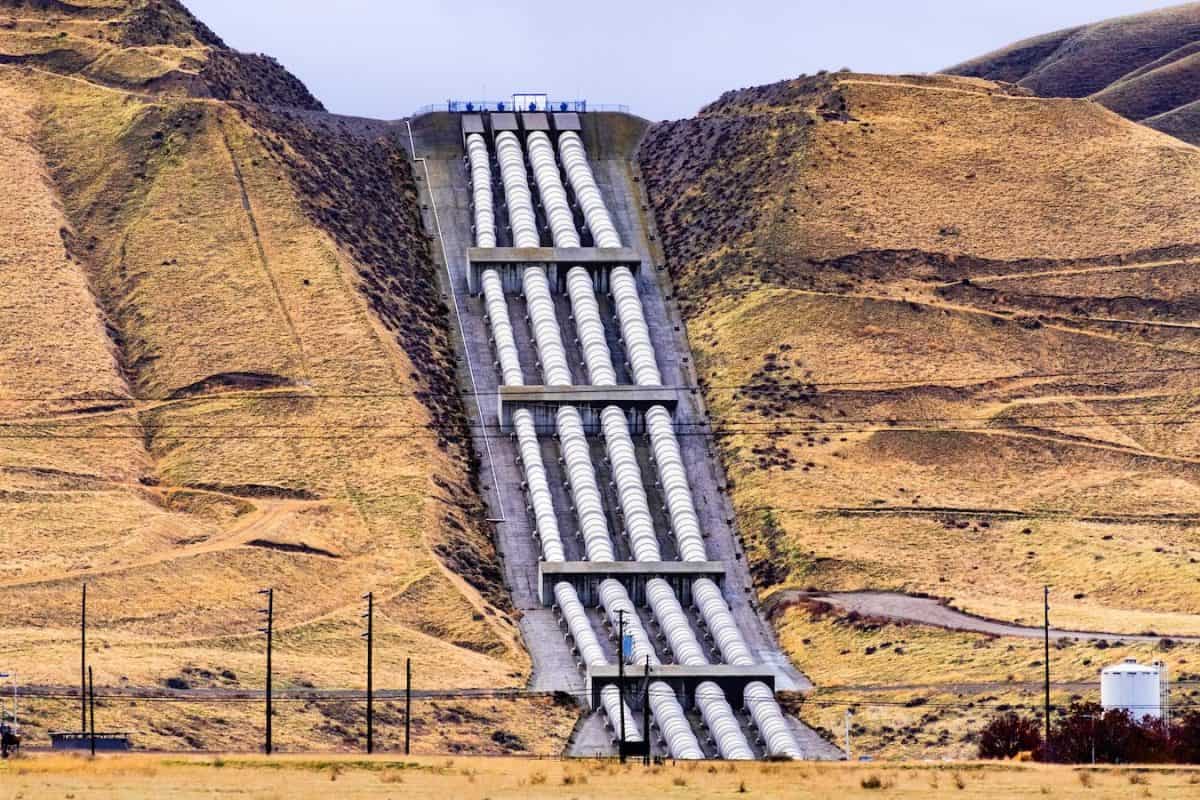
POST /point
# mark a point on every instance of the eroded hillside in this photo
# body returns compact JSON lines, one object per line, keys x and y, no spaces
{"x":224,"y":365}
{"x":1144,"y":67}
{"x":949,"y":335}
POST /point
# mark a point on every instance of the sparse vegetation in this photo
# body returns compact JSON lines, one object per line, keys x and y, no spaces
{"x":139,"y":777}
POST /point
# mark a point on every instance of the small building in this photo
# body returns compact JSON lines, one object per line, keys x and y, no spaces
{"x":1137,"y":688}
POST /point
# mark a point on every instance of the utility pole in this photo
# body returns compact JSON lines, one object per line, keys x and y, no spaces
{"x":621,"y":677}
{"x":83,"y":661}
{"x":92,"y":703}
{"x":407,"y":702}
{"x":269,"y":611}
{"x":646,"y":715}
{"x":370,"y":637}
{"x":1046,"y":640}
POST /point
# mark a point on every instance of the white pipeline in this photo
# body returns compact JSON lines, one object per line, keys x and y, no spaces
{"x":481,"y":191}
{"x":545,"y":520}
{"x":546,"y":331}
{"x":550,"y":187}
{"x":676,"y":490}
{"x":585,"y":492}
{"x":634,"y":330}
{"x":596,"y":355}
{"x":631,"y":491}
{"x":579,"y":173}
{"x":516,"y":191}
{"x":496,"y":308}
{"x":668,"y":713}
{"x":718,"y":715}
{"x":580,"y":628}
{"x":776,"y":733}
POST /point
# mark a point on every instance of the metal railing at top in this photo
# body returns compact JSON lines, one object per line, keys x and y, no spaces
{"x":476,"y":106}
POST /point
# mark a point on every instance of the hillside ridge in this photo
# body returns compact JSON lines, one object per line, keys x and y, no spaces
{"x":1143,"y":66}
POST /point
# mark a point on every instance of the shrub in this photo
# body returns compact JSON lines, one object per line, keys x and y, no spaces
{"x":1008,"y":735}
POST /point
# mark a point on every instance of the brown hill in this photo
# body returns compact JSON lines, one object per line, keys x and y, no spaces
{"x":224,"y":365}
{"x":1144,"y":67}
{"x":949,"y":333}
{"x":141,"y":45}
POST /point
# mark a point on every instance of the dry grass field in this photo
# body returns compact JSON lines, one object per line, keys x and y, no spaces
{"x":301,"y":778}
{"x":211,"y":383}
{"x":949,"y":335}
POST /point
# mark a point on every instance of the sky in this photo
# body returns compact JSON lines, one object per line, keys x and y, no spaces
{"x":662,"y":58}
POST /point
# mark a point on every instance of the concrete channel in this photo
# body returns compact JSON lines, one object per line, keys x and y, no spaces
{"x":437,"y":141}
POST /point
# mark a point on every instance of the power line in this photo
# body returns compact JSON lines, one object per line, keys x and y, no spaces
{"x":421,"y":394}
{"x":742,"y":420}
{"x":715,"y":433}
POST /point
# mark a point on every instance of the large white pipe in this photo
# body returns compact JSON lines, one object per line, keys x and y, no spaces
{"x":496,"y":308}
{"x":516,"y":191}
{"x":481,"y":188}
{"x":676,"y":490}
{"x":550,"y":187}
{"x":674,"y":623}
{"x":718,"y":715}
{"x":776,"y":733}
{"x":579,"y":173}
{"x":639,"y":524}
{"x":668,"y":713}
{"x":591,"y":653}
{"x":585,"y":492}
{"x":635,"y":333}
{"x":547,"y":333}
{"x":707,"y":597}
{"x":768,"y":717}
{"x":673,"y":723}
{"x":722,"y":723}
{"x":545,"y":520}
{"x":588,"y":326}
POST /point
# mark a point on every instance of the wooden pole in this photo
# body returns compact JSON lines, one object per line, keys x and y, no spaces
{"x":646,"y":715}
{"x":407,"y":704}
{"x":83,"y":708}
{"x":621,"y":677}
{"x":92,"y":704}
{"x":1046,"y":639}
{"x":370,"y":670}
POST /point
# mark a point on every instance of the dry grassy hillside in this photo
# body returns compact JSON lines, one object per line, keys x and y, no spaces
{"x":223,"y":366}
{"x":949,"y":334}
{"x":1144,"y":67}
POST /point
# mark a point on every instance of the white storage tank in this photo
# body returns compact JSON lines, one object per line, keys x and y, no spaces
{"x":1134,"y":687}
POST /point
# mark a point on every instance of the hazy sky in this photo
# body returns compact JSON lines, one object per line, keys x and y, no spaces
{"x":663,"y":58}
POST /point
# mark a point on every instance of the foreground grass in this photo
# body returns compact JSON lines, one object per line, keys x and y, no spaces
{"x":306,"y":777}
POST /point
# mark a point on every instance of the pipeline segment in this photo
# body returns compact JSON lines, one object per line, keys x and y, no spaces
{"x":760,"y":700}
{"x":631,"y":492}
{"x":580,"y":628}
{"x":550,"y":187}
{"x":481,"y":188}
{"x":668,"y":713}
{"x":718,"y":715}
{"x":537,"y":484}
{"x":587,"y":194}
{"x":584,"y":307}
